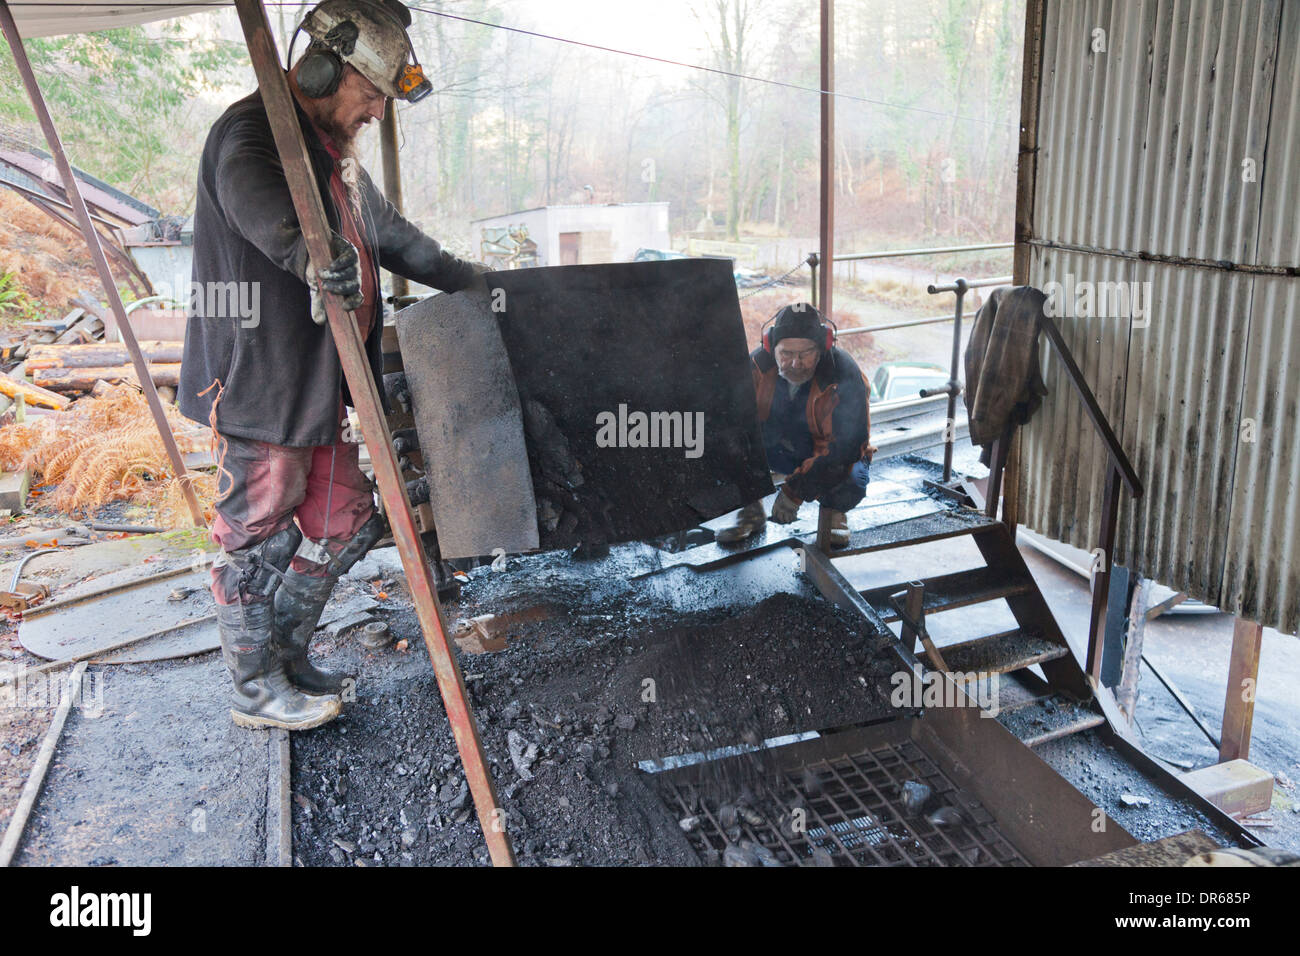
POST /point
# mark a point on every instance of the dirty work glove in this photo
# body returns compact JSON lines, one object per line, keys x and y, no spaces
{"x":785,"y":509}
{"x":479,"y":281}
{"x":342,"y":277}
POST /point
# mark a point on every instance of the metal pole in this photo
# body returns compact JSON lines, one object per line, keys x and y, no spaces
{"x":392,"y":179}
{"x":1101,"y":579}
{"x":938,"y":250}
{"x":301,"y":178}
{"x":953,"y":388}
{"x":1031,"y":84}
{"x":88,"y":231}
{"x":827,"y":156}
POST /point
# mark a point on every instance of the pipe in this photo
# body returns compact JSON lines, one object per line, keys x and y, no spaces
{"x":941,"y":250}
{"x":827,"y":230}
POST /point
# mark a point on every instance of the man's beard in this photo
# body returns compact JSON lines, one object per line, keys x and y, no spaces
{"x":795,"y":376}
{"x":350,"y":171}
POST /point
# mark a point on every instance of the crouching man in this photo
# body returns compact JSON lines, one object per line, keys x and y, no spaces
{"x":295,"y":511}
{"x":813,"y":406}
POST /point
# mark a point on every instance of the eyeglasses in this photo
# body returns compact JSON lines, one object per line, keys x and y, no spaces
{"x":784,"y":356}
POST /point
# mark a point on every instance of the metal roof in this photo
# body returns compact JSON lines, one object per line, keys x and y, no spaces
{"x":46,"y":18}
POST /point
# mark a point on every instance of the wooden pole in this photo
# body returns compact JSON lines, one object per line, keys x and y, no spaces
{"x":392,"y":178}
{"x":301,"y":178}
{"x":88,"y":231}
{"x":1239,"y":702}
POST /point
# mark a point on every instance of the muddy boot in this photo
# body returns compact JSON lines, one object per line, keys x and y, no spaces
{"x":839,"y":533}
{"x":749,"y":522}
{"x":263,"y":696}
{"x":299,"y":602}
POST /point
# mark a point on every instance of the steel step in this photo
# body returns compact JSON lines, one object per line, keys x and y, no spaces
{"x":1013,"y":691}
{"x":1001,"y":653}
{"x":1049,"y":718}
{"x":900,"y":534}
{"x":950,"y":591}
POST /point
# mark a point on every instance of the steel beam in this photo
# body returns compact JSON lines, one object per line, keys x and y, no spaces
{"x":827,"y":276}
{"x":88,"y":231}
{"x":1031,"y":82}
{"x":301,"y":178}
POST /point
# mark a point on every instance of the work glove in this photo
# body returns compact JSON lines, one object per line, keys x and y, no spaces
{"x":479,"y":281}
{"x":342,"y":278}
{"x":785,"y":509}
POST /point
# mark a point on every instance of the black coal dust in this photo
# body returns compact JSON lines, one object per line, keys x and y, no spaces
{"x":566,"y":717}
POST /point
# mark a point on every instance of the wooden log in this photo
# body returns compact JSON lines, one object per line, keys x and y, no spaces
{"x":100,"y":354}
{"x":84,"y":379}
{"x":34,"y":394}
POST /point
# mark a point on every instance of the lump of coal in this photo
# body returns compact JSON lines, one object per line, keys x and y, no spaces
{"x":915,"y":796}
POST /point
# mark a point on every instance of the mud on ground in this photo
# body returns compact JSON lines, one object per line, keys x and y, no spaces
{"x":565,"y":713}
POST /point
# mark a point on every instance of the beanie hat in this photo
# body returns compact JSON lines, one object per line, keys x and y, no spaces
{"x":800,"y":321}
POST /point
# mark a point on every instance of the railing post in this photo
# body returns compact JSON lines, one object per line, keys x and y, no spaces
{"x":953,"y":387}
{"x":1101,"y":575}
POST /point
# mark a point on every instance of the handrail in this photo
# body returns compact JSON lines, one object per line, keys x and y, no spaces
{"x":941,"y":250}
{"x":1095,"y":414}
{"x":1119,"y":467}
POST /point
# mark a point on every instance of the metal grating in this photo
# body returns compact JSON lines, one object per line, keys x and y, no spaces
{"x":853,"y":814}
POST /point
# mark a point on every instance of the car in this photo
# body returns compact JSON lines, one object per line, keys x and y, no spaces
{"x":894,"y":381}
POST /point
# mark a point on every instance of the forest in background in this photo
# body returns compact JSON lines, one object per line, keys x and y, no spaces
{"x":519,"y":121}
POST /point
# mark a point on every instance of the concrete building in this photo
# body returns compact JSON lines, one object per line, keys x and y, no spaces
{"x":580,"y":234}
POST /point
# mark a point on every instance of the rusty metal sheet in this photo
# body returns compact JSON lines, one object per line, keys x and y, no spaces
{"x":467,"y":413}
{"x":174,"y":606}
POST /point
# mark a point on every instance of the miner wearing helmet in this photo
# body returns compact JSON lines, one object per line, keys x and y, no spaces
{"x":294,"y":510}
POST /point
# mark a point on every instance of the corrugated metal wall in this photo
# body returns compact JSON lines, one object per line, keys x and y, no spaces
{"x":1141,"y":151}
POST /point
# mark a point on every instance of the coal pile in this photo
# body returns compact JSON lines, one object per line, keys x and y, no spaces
{"x":566,"y":712}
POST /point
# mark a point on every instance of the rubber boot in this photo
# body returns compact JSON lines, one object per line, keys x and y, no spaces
{"x":749,"y":522}
{"x":299,"y":602}
{"x":263,"y":696}
{"x":839,"y":533}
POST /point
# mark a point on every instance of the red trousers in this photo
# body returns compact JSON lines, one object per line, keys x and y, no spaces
{"x":264,"y":487}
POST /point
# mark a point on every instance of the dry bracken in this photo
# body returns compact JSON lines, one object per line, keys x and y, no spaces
{"x":107,"y":448}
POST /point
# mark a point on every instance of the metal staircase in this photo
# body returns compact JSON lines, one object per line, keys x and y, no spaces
{"x":1036,"y":709}
{"x":1033,"y":708}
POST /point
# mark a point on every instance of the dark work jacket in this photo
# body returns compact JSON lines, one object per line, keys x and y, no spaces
{"x":834,"y":429}
{"x":279,"y":371}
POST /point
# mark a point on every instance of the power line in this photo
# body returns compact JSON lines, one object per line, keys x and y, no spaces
{"x":706,"y":69}
{"x":582,"y":43}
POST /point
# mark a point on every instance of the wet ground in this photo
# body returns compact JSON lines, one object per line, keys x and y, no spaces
{"x":150,"y":771}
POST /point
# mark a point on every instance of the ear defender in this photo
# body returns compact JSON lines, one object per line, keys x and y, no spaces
{"x":768,"y":347}
{"x":319,"y":72}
